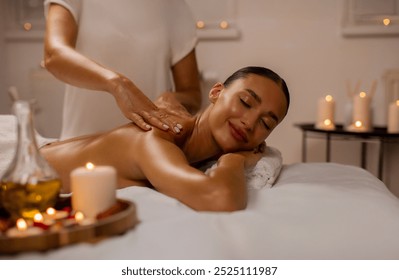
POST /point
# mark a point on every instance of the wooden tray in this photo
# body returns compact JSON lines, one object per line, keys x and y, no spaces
{"x":114,"y":224}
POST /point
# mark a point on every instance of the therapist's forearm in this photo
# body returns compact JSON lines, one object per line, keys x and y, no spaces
{"x":73,"y":68}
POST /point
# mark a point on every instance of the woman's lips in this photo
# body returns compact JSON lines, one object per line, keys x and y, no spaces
{"x":237,"y":133}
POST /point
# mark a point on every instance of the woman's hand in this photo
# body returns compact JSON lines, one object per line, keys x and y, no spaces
{"x":252,"y":157}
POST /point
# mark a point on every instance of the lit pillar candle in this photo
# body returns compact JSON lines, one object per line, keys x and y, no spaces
{"x":393,"y":117}
{"x":93,"y":189}
{"x":325,"y":113}
{"x":362,"y":111}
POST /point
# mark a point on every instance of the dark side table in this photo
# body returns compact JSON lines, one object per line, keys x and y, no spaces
{"x":378,"y":134}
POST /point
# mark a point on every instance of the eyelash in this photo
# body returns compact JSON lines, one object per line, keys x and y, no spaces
{"x":265,"y":125}
{"x":249,"y":106}
{"x":245,"y":103}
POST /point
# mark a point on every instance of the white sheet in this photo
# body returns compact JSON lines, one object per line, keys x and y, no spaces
{"x":314,"y":211}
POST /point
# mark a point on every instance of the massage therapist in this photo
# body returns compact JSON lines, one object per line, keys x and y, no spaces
{"x":118,"y":56}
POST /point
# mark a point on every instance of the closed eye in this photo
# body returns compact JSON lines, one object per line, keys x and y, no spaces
{"x":265,"y":125}
{"x":245,"y":103}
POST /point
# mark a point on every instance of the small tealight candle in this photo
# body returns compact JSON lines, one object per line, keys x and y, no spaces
{"x":38,"y":221}
{"x":53,"y":214}
{"x":38,"y":218}
{"x":325,"y":113}
{"x":93,"y":189}
{"x":21,"y":224}
{"x":22,"y":230}
{"x":82,"y":220}
{"x":393,"y":117}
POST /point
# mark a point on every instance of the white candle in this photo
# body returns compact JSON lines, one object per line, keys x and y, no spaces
{"x":93,"y":189}
{"x":393,"y":117}
{"x":325,"y":113}
{"x":361,"y":110}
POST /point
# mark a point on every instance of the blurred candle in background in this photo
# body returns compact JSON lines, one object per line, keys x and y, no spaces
{"x":393,"y":117}
{"x":362,"y":110}
{"x":326,"y":113}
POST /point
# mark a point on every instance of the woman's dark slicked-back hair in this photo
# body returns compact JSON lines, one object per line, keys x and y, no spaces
{"x":261,"y":71}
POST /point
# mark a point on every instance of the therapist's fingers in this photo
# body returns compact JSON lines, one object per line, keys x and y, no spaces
{"x":139,"y":121}
{"x":168,"y":120}
{"x":157,"y":120}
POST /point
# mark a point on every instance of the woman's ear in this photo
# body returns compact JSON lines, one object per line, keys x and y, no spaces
{"x":215,"y":92}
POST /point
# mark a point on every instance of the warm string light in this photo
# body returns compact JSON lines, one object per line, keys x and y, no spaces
{"x":224,"y":24}
{"x":200,"y":24}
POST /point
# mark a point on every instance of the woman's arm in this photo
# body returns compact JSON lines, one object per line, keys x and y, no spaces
{"x":71,"y":67}
{"x":167,"y":169}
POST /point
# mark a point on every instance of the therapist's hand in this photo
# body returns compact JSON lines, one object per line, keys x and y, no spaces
{"x":138,"y":108}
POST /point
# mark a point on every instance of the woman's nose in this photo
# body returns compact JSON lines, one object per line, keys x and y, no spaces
{"x":249,"y":121}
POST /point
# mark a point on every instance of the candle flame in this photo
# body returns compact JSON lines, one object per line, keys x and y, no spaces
{"x":386,"y":21}
{"x":362,"y":94}
{"x":21,"y":224}
{"x":358,"y":124}
{"x":89,"y":166}
{"x":50,"y":211}
{"x":38,"y":218}
{"x":329,"y":98}
{"x":79,"y":216}
{"x":327,"y":122}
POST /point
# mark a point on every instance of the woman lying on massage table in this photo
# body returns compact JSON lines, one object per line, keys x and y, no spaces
{"x":243,"y":111}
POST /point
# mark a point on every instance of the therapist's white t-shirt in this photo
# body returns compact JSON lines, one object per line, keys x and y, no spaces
{"x":141,"y":39}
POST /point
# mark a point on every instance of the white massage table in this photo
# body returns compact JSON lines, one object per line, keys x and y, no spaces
{"x":313,"y":211}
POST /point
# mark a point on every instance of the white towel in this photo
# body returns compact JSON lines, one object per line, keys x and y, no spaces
{"x":265,"y":172}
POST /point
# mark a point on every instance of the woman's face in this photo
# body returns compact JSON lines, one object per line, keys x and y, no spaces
{"x":246,"y":112}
